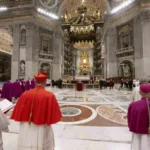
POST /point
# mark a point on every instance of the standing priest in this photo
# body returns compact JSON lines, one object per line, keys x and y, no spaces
{"x":36,"y":111}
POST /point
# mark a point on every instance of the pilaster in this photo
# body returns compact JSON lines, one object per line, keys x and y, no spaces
{"x":57,"y":45}
{"x":15,"y":53}
{"x":111,"y":53}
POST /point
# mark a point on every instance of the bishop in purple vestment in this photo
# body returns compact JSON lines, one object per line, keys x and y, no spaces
{"x":32,"y":84}
{"x":7,"y":91}
{"x":17,"y":89}
{"x":139,"y":120}
{"x":28,"y":85}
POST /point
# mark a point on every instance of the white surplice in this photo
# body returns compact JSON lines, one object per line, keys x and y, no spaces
{"x":140,"y":142}
{"x":34,"y":137}
{"x":4,"y":122}
{"x":135,"y":96}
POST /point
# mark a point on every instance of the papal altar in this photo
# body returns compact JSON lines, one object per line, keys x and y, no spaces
{"x":82,"y":78}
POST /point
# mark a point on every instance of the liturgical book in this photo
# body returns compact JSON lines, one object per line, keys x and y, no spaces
{"x":6,"y":105}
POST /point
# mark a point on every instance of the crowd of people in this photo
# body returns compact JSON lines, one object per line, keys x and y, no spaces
{"x":124,"y":83}
{"x":103,"y":84}
{"x":129,"y":83}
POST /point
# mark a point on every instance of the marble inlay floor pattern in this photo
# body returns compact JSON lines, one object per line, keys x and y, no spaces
{"x":93,"y":129}
{"x":109,"y":110}
{"x":112,"y":113}
{"x":85,"y":113}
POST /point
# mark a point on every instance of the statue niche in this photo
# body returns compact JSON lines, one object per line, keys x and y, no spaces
{"x":126,"y":69}
{"x":23,"y":37}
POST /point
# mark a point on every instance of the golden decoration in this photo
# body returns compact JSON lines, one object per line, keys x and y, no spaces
{"x":84,"y":63}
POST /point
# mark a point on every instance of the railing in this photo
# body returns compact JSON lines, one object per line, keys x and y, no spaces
{"x":125,"y":50}
{"x":45,"y":54}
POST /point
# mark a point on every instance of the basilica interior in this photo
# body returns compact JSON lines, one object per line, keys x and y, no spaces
{"x":78,"y":40}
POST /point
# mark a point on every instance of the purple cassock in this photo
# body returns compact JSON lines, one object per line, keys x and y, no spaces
{"x":27,"y":85}
{"x":138,"y":118}
{"x":32,"y":84}
{"x":22,"y":83}
{"x":17,"y":89}
{"x":7,"y":90}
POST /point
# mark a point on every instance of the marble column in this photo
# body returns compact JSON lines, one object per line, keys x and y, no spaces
{"x":112,"y":68}
{"x":57,"y":45}
{"x":15,"y":53}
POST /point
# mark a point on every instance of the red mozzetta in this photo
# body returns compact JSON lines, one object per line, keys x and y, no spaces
{"x":38,"y":106}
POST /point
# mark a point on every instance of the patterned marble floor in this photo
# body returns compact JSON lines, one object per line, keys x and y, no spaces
{"x":91,"y":119}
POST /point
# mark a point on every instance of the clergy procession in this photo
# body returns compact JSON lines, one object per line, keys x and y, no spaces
{"x":15,"y":89}
{"x":37,"y":109}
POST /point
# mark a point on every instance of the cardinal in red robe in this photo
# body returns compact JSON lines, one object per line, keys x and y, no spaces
{"x":37,"y":110}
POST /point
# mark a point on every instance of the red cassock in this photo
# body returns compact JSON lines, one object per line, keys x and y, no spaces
{"x":41,"y":104}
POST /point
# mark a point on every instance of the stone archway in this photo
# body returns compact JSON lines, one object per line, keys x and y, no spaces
{"x":126,"y":69}
{"x":6,"y":43}
{"x":46,"y":67}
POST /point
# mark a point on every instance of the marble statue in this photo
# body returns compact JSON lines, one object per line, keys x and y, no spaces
{"x":22,"y":67}
{"x":66,"y":36}
{"x":97,"y":14}
{"x":98,"y":34}
{"x":23,"y":36}
{"x":126,"y":70}
{"x":67,"y":17}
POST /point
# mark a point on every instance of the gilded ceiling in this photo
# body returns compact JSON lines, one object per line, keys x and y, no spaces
{"x":61,"y":6}
{"x":5,"y":41}
{"x":70,"y":6}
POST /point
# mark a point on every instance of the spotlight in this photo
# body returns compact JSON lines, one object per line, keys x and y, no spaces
{"x":46,"y":13}
{"x":3,"y":9}
{"x":122,"y":6}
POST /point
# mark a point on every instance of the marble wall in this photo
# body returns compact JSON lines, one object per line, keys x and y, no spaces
{"x":25,"y":55}
{"x":140,"y":57}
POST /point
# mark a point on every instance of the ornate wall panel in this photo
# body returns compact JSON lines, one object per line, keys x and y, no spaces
{"x":5,"y":41}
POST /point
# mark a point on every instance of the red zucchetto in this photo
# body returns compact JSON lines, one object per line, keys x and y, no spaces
{"x":41,"y":77}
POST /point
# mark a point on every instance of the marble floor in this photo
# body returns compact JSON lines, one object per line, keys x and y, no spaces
{"x":92,"y":120}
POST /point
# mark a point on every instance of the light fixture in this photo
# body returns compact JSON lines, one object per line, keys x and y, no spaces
{"x":83,"y":1}
{"x":3,"y":9}
{"x":122,"y":6}
{"x":46,"y":13}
